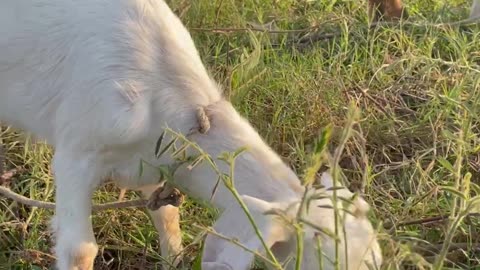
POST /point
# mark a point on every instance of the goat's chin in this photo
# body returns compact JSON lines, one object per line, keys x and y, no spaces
{"x":360,"y":257}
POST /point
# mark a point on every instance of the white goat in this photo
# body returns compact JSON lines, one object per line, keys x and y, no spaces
{"x":475,"y":10}
{"x":100,"y":80}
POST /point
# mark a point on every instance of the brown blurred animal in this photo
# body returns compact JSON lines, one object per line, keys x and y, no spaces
{"x":386,"y":10}
{"x":390,"y":10}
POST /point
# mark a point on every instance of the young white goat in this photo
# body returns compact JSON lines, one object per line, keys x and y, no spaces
{"x":100,"y":80}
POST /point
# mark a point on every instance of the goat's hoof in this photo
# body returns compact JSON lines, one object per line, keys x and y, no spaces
{"x":173,"y":263}
{"x":79,"y":258}
{"x":83,"y":261}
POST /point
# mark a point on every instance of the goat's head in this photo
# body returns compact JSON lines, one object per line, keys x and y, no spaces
{"x":357,"y":243}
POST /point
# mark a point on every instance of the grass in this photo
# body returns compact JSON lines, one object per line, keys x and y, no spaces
{"x":416,"y":152}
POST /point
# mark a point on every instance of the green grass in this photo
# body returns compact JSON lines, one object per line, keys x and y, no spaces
{"x":416,"y":86}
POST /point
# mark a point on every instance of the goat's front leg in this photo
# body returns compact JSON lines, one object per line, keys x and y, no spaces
{"x":76,"y":177}
{"x":166,"y":220}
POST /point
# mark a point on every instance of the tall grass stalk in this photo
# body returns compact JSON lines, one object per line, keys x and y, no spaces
{"x":459,"y":204}
{"x":352,"y":117}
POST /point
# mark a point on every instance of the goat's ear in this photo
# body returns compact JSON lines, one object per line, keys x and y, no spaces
{"x":359,"y":207}
{"x":222,"y":254}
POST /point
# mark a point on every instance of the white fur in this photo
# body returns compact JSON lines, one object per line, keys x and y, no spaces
{"x":100,"y":80}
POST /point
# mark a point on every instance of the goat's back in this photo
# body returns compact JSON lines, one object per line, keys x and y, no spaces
{"x":109,"y":70}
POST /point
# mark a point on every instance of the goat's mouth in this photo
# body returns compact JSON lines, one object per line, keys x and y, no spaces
{"x":165,"y":195}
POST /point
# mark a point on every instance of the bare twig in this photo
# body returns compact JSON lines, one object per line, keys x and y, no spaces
{"x":312,"y":34}
{"x":40,"y":253}
{"x":48,"y":205}
{"x":259,"y":28}
{"x":379,"y":106}
{"x":254,"y":29}
{"x":432,"y":250}
{"x":313,"y":37}
{"x":317,"y":35}
{"x":151,"y":203}
{"x":161,"y":197}
{"x":430,"y":220}
{"x":455,"y":246}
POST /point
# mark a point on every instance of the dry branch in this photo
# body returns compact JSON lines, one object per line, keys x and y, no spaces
{"x":253,"y":29}
{"x":165,"y":195}
{"x":430,"y":220}
{"x":315,"y":34}
{"x":5,"y":192}
{"x":161,"y":197}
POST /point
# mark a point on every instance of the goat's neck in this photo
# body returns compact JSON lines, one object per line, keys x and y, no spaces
{"x":258,"y":172}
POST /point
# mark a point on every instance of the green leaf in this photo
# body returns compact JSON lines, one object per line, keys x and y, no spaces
{"x":335,"y":188}
{"x":197,"y":263}
{"x":195,"y":162}
{"x":454,"y":192}
{"x":165,"y":172}
{"x":475,"y":188}
{"x":227,"y":180}
{"x":320,"y":196}
{"x":225,"y":156}
{"x":325,"y":206}
{"x":473,"y":203}
{"x":158,"y":144}
{"x":321,"y":143}
{"x":446,"y":164}
{"x":180,"y":150}
{"x":215,"y":188}
{"x":239,"y":151}
{"x":169,"y":145}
